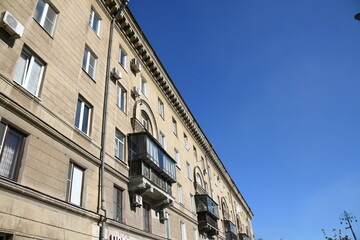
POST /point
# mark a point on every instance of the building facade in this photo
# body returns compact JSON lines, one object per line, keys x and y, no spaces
{"x":95,"y":139}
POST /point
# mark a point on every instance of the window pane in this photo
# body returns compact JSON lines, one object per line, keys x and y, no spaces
{"x":78,"y":113}
{"x":21,"y":68}
{"x":76,"y":188}
{"x":39,"y":10}
{"x":92,"y":63}
{"x":10,"y":153}
{"x":34,"y":77}
{"x":50,"y":20}
{"x":85,"y":121}
{"x":86,"y":52}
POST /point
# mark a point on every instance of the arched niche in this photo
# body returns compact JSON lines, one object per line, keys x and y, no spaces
{"x":144,"y":118}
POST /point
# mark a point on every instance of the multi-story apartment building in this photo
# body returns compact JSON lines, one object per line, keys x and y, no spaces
{"x":95,"y":139}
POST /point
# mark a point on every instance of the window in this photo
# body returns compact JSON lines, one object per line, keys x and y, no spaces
{"x":95,"y":21}
{"x":192,"y":202}
{"x":143,"y":86}
{"x":46,"y":16}
{"x":11,"y":148}
{"x":198,"y":179}
{"x":146,"y":217}
{"x":183,"y":230}
{"x":177,"y":158}
{"x":167,"y":228}
{"x":196,"y":234}
{"x":145,"y":121}
{"x":161,"y":108}
{"x":89,"y":62}
{"x":119,"y":145}
{"x":195,"y":154}
{"x":180,"y":200}
{"x":186,"y":142}
{"x":174,"y":126}
{"x":83,"y":116}
{"x":29,"y":71}
{"x":75,"y":184}
{"x":118,"y":201}
{"x":188,"y":167}
{"x":121,"y":98}
{"x":123,"y":58}
{"x":212,"y":193}
{"x":162,"y":140}
{"x":206,"y":186}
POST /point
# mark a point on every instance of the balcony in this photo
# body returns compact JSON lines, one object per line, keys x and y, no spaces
{"x":243,"y":236}
{"x":208,"y":214}
{"x":230,"y":230}
{"x":152,"y":170}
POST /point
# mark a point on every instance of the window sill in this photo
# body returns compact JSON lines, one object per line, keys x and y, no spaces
{"x":45,"y":29}
{"x":124,"y":111}
{"x":89,"y":75}
{"x":81,"y":133}
{"x":120,"y":161}
{"x":26,"y":92}
{"x":123,"y":67}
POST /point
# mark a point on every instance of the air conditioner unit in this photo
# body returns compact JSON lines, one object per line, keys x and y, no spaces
{"x":164,"y":215}
{"x":137,"y":200}
{"x":135,"y":65}
{"x":136,"y":91}
{"x":116,"y":73}
{"x":11,"y":25}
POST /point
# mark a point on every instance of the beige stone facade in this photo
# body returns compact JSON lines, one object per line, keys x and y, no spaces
{"x":162,"y":179}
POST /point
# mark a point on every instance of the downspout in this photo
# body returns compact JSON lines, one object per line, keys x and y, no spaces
{"x":104,"y":122}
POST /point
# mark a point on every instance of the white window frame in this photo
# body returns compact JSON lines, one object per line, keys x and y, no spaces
{"x":192,"y":203}
{"x":177,"y":157}
{"x":77,"y":199}
{"x":183,"y":230}
{"x":123,"y":58}
{"x":88,"y":53}
{"x":188,"y":168}
{"x":196,"y":234}
{"x":44,"y":16}
{"x":179,"y":191}
{"x":167,"y":225}
{"x":161,"y":108}
{"x":119,"y":143}
{"x":174,"y":126}
{"x":95,"y":16}
{"x":186,"y":142}
{"x":162,"y":139}
{"x":121,"y":98}
{"x":143,"y":86}
{"x":25,"y":74}
{"x":81,"y":117}
{"x":195,"y":154}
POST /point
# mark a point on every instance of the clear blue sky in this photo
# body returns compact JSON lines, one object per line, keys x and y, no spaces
{"x":275,"y":85}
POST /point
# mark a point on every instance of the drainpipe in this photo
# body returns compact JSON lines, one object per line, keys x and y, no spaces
{"x":104,"y":121}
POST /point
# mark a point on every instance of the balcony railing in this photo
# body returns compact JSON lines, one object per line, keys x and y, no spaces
{"x":143,"y":147}
{"x":230,"y":230}
{"x":205,"y":204}
{"x":243,"y":236}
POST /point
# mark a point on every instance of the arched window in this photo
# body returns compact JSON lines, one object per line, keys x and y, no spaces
{"x":145,"y":121}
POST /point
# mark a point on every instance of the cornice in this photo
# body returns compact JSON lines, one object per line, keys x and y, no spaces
{"x":133,"y":33}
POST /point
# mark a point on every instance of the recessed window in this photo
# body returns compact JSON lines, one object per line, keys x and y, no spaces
{"x":75,"y":184}
{"x":177,"y":158}
{"x":118,"y":204}
{"x":161,"y":108}
{"x":186,"y":142}
{"x":83,"y":116}
{"x":183,"y":230}
{"x":121,"y":98}
{"x":29,"y":72}
{"x":146,"y":217}
{"x":123,"y":58}
{"x":143,"y":86}
{"x":162,"y":140}
{"x":174,"y":126}
{"x":46,"y":16}
{"x":188,"y":167}
{"x":89,"y":62}
{"x":192,"y":202}
{"x":95,"y":21}
{"x":11,"y":148}
{"x":119,"y":145}
{"x":195,"y":154}
{"x":179,"y":188}
{"x":167,"y":228}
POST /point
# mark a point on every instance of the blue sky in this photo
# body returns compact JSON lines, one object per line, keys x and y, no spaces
{"x":275,"y":85}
